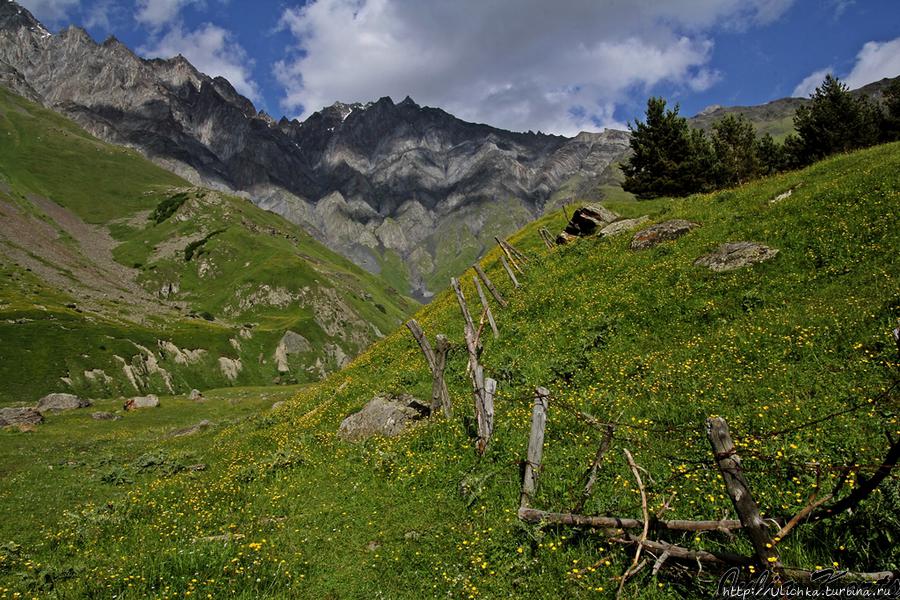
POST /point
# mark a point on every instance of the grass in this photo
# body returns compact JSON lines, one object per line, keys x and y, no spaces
{"x":643,"y":338}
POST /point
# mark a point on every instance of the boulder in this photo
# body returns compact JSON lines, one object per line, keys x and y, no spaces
{"x":383,"y":415}
{"x":20,"y":416}
{"x":585,"y":221}
{"x":204,"y":424}
{"x":195,"y":395}
{"x":622,"y":226}
{"x":661,"y":232}
{"x":60,"y":402}
{"x":290,"y":343}
{"x":104,"y":416}
{"x":735,"y":255}
{"x":148,"y":401}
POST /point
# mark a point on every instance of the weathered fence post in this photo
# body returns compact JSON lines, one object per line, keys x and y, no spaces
{"x":535,"y":447}
{"x":509,"y":256}
{"x":487,"y":308}
{"x":512,"y":276}
{"x":476,"y":372}
{"x":547,"y":237}
{"x":730,"y":466}
{"x":463,"y":307}
{"x":437,"y":360}
{"x":489,"y":284}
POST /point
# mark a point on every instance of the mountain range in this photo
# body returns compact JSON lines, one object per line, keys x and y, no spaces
{"x":400,"y":189}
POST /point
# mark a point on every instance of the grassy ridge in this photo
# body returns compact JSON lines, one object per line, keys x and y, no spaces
{"x":644,"y":338}
{"x":246,"y":265}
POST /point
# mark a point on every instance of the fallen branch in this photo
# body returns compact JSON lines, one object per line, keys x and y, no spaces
{"x":591,"y":474}
{"x":813,"y":505}
{"x":634,"y":568}
{"x":534,"y":515}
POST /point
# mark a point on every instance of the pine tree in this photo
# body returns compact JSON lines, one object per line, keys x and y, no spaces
{"x":770,"y":154}
{"x":666,"y":157}
{"x":834,"y":121}
{"x":890,"y":125}
{"x":736,"y":155}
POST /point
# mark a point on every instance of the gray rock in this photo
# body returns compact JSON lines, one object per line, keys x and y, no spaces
{"x":290,"y":343}
{"x":661,"y":232}
{"x":587,"y":220}
{"x":105,"y":416}
{"x":735,"y":255}
{"x":148,"y":401}
{"x":20,"y":416}
{"x":195,"y":395}
{"x":60,"y":402}
{"x":383,"y":415}
{"x":622,"y":226}
{"x":204,"y":424}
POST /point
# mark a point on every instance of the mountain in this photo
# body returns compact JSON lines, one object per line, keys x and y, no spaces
{"x":776,"y":117}
{"x":401,"y":189}
{"x":118,"y":277}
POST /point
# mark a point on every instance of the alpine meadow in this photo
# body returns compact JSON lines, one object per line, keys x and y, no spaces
{"x":382,"y":351}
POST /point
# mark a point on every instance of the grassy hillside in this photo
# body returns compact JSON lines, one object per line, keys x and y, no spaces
{"x":105,"y":255}
{"x":795,"y":353}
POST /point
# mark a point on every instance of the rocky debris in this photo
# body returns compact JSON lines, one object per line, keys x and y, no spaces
{"x":98,"y":376}
{"x":278,"y":404}
{"x":202,"y":425}
{"x":661,"y":232}
{"x":104,"y":416}
{"x":735,"y":255}
{"x":195,"y":395}
{"x":148,"y":401}
{"x":142,"y":367}
{"x":20,"y":416}
{"x":181,"y":356}
{"x":622,"y":226}
{"x":385,"y":415}
{"x":587,"y":220}
{"x":291,"y":343}
{"x":782,"y":196}
{"x":230,"y":367}
{"x":60,"y":402}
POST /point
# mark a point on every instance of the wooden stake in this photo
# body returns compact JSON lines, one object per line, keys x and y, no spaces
{"x":437,"y":361}
{"x":591,"y":474}
{"x":633,"y":569}
{"x":509,"y":256}
{"x":512,"y":276}
{"x":489,"y":285}
{"x":486,"y":307}
{"x":730,"y":467}
{"x":535,"y":447}
{"x":490,"y":388}
{"x":463,"y":307}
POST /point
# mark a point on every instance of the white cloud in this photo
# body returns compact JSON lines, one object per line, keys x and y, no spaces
{"x":520,"y":64}
{"x":156,"y":13}
{"x":809,"y":84}
{"x":50,"y":12}
{"x":212,"y":50}
{"x":875,"y":61}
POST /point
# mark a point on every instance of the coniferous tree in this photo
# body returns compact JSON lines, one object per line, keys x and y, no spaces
{"x":890,"y":124}
{"x":770,"y":154}
{"x":666,"y":157}
{"x":834,"y":121}
{"x":736,"y":155}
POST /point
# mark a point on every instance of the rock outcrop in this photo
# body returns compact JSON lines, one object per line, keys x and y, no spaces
{"x":60,"y":402}
{"x":586,"y":221}
{"x":661,"y":232}
{"x":384,"y":415}
{"x":20,"y":416}
{"x":735,"y":255}
{"x":291,"y":343}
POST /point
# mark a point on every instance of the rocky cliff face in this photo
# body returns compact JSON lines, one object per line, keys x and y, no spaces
{"x":397,"y":187}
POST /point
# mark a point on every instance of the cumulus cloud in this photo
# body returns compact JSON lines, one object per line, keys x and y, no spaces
{"x":50,"y":12}
{"x":809,"y":84}
{"x":875,"y":61}
{"x":212,"y":50}
{"x":520,"y":64}
{"x":157,"y":13}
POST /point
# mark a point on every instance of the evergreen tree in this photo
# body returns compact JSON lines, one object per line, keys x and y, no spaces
{"x":771,"y":155}
{"x":736,"y":155}
{"x":835,"y":121}
{"x":665,"y":159}
{"x":890,"y":124}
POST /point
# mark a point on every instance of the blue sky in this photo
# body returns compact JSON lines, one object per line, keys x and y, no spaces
{"x":559,"y":67}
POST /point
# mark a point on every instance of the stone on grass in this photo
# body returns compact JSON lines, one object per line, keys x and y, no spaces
{"x":148,"y":401}
{"x":60,"y":402}
{"x":20,"y":416}
{"x":195,"y":395}
{"x":104,"y":416}
{"x":585,"y":221}
{"x":385,"y":415}
{"x":278,"y":405}
{"x":661,"y":232}
{"x":735,"y":255}
{"x":204,"y":424}
{"x":622,"y":226}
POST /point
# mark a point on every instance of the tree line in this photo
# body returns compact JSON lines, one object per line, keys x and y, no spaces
{"x":669,"y":158}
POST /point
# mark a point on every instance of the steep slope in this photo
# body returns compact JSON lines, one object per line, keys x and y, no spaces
{"x":396,"y":187}
{"x":795,"y":353}
{"x":119,"y":277}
